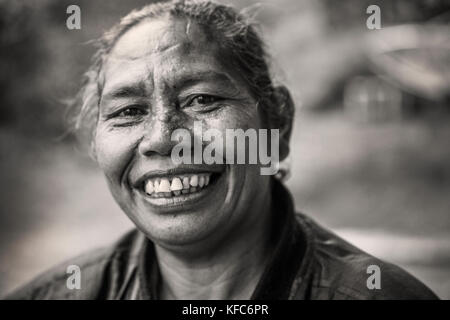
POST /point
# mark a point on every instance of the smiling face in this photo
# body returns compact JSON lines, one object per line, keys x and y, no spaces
{"x":161,"y":75}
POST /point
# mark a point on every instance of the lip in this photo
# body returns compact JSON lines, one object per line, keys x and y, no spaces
{"x":182,"y":202}
{"x":178,"y":171}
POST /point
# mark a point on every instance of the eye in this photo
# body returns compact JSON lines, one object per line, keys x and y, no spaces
{"x":204,"y":99}
{"x":203,"y":102}
{"x":131,"y":111}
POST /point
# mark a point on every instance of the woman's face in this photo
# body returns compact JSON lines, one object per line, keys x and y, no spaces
{"x":161,"y":75}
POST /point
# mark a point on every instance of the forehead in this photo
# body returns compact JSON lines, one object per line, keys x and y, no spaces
{"x":161,"y":45}
{"x":157,"y":35}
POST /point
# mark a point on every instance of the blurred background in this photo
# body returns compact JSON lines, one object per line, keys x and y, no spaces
{"x":370,"y":150}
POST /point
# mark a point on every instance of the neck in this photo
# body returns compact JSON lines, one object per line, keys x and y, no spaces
{"x":231,"y":270}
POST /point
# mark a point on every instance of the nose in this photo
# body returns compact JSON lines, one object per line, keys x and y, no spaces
{"x":157,"y":136}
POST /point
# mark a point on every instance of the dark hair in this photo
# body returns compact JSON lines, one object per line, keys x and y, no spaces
{"x":233,"y":31}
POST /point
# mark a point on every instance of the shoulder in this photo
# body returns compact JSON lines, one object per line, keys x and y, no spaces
{"x":340,"y":270}
{"x":93,"y":267}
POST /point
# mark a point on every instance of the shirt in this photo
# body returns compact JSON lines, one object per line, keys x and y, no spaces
{"x":308,"y":262}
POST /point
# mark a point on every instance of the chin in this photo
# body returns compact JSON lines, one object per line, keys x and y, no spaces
{"x":179,"y":218}
{"x":183,"y":228}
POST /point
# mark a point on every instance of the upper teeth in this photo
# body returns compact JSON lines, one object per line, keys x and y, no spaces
{"x":177,"y":184}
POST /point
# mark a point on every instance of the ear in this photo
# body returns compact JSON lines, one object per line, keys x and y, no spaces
{"x":284,"y":118}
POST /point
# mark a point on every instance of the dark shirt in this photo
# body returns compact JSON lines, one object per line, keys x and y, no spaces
{"x":308,"y":262}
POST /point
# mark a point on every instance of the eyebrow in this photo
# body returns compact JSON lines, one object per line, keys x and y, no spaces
{"x":203,"y":76}
{"x":139,"y":89}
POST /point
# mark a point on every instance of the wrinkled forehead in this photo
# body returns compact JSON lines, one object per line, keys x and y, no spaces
{"x":163,"y":48}
{"x":161,"y":36}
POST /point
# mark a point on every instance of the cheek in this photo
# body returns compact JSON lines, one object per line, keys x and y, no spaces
{"x":236,"y":117}
{"x":233,"y":119}
{"x":114,"y":150}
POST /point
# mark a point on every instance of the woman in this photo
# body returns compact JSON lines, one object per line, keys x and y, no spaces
{"x":204,"y":231}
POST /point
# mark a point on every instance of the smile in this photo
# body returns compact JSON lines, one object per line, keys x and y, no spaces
{"x":181,"y":187}
{"x":172,"y":186}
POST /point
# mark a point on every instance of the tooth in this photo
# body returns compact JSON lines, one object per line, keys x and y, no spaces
{"x":193,"y":189}
{"x":185,"y":183}
{"x":194,"y":180}
{"x":184,"y":191}
{"x":201,"y":181}
{"x":167,"y":194}
{"x":156,"y":186}
{"x":206,"y":180}
{"x":176,"y":184}
{"x":149,"y":187}
{"x":177,"y":192}
{"x":164,"y":186}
